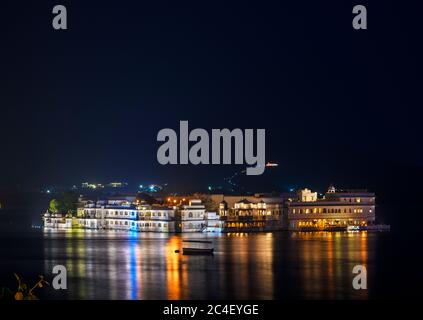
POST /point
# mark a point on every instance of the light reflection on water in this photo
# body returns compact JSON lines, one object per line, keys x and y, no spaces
{"x":127,"y":265}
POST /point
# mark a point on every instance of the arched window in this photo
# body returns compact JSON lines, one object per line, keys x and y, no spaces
{"x":189,"y":214}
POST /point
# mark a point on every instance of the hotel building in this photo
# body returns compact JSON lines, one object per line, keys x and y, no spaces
{"x":247,"y":216}
{"x":192,"y":217}
{"x":334,"y":211}
{"x":125,"y":215}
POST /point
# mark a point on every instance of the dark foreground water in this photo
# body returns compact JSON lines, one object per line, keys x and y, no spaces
{"x":126,"y":265}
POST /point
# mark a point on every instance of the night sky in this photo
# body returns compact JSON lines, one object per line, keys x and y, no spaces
{"x":339,"y":105}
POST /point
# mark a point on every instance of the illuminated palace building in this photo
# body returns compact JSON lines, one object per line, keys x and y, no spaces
{"x":226,"y":213}
{"x":335,"y":210}
{"x":125,"y":215}
{"x":247,"y":216}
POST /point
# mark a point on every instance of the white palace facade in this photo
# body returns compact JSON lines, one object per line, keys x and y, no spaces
{"x":124,"y":215}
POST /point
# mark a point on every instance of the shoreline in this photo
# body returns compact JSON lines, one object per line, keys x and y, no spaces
{"x":375,"y":228}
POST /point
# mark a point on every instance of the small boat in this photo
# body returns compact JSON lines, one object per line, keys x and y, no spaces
{"x":197,"y":251}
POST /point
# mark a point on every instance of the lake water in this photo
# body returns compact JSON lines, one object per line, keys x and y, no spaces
{"x":128,"y":265}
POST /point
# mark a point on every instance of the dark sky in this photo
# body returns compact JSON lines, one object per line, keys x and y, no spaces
{"x":87,"y":103}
